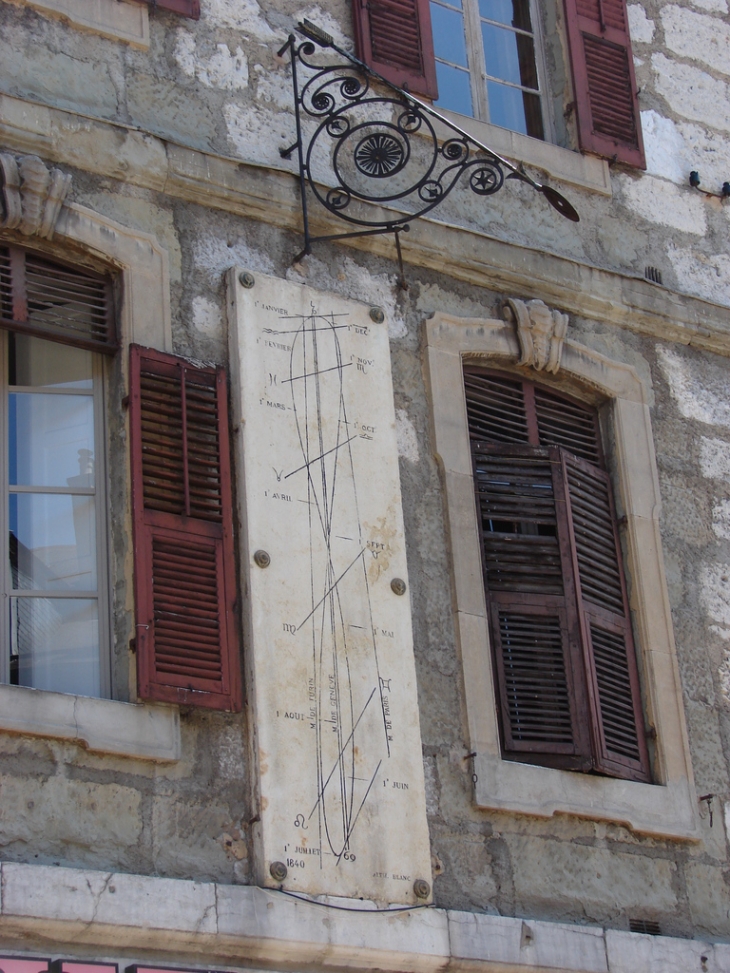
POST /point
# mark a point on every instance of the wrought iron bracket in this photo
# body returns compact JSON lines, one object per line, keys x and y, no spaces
{"x":384,"y":148}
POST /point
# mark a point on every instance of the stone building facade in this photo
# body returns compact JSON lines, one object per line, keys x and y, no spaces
{"x":142,"y":145}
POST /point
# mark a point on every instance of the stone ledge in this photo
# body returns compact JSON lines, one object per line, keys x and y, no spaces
{"x":117,"y":19}
{"x":271,"y":196}
{"x":240,"y":926}
{"x":145,"y":731}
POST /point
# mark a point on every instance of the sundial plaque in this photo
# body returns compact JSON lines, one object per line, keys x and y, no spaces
{"x":332,"y":677}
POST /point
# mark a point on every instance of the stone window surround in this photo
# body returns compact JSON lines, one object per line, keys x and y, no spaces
{"x":117,"y":19}
{"x":144,"y":731}
{"x":667,"y":808}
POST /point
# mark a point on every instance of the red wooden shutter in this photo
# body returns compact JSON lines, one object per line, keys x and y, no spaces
{"x":394,"y":38}
{"x":184,"y":570}
{"x":607,"y":107}
{"x":186,"y":8}
{"x":533,"y":619}
{"x":610,"y":657}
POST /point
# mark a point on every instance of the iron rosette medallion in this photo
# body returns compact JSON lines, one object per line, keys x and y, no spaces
{"x":381,"y":150}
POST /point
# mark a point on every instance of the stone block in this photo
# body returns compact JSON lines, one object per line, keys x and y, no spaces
{"x":709,"y":896}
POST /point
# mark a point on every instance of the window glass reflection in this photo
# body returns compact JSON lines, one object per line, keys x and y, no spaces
{"x":54,"y":644}
{"x":35,"y":361}
{"x":51,"y":439}
{"x":52,"y":542}
{"x":454,"y":89}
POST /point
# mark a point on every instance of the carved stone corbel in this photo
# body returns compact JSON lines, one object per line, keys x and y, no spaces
{"x":540,"y":332}
{"x":32,"y":195}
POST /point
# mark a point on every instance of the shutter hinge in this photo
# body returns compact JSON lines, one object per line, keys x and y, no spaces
{"x":133,"y":646}
{"x":569,"y":109}
{"x":125,"y":402}
{"x":650,"y":732}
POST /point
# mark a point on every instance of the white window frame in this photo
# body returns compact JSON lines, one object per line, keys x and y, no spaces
{"x":102,"y":596}
{"x":478,"y":74}
{"x":667,"y":807}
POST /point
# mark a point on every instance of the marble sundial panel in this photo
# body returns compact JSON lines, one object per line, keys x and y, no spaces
{"x":331,"y":669}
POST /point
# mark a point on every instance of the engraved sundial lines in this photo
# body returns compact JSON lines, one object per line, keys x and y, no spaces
{"x":331,"y":654}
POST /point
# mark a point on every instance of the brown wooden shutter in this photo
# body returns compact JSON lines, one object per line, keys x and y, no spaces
{"x":185,"y":589}
{"x":533,"y":619}
{"x":610,"y":658}
{"x":394,"y":38}
{"x":186,"y":8}
{"x":55,"y":301}
{"x":607,"y":107}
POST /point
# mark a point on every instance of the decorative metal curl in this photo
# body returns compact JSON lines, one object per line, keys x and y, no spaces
{"x":381,"y":146}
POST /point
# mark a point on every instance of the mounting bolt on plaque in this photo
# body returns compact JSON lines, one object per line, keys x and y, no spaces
{"x":263,"y":559}
{"x":246,"y":279}
{"x":278,"y":871}
{"x":377,"y":315}
{"x":398,"y":586}
{"x":421,"y":888}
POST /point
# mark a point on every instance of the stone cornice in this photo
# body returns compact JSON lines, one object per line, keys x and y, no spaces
{"x":271,"y":195}
{"x":120,"y":916}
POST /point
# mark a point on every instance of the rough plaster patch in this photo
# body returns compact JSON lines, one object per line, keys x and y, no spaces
{"x":724,"y":674}
{"x":721,"y":519}
{"x":693,"y":93}
{"x":694,"y":397}
{"x":207,"y":317}
{"x":214,"y":256}
{"x":231,"y":749}
{"x":697,"y":36}
{"x":257,"y":134}
{"x":662,"y":202}
{"x":715,"y":458}
{"x":355,"y":281}
{"x":406,"y":436}
{"x":706,"y":276}
{"x":664,"y":146}
{"x":223,"y":69}
{"x":715,"y":591}
{"x":269,"y":88}
{"x":242,"y":15}
{"x":640,"y":28}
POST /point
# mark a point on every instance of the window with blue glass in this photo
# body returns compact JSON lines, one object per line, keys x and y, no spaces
{"x":487,"y":62}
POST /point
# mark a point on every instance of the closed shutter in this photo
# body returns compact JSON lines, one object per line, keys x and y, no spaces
{"x":607,"y":107}
{"x":183,"y":533}
{"x":533,"y":619}
{"x":186,"y":8}
{"x":610,"y":658}
{"x":51,"y":300}
{"x":564,"y":659}
{"x":394,"y":38}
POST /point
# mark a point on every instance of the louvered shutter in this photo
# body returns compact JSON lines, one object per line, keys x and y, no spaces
{"x":564,"y":658}
{"x":55,"y":301}
{"x":185,"y":589}
{"x":186,"y":8}
{"x":533,"y":619}
{"x":394,"y":38}
{"x":610,"y":658}
{"x":607,"y":107}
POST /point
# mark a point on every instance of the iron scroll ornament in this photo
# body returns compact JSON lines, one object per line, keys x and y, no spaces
{"x":384,"y":148}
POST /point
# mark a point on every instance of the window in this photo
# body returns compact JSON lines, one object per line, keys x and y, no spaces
{"x":57,"y":326}
{"x":482,"y":58}
{"x":565,"y":666}
{"x":54,"y":633}
{"x":486,"y":62}
{"x":667,"y":807}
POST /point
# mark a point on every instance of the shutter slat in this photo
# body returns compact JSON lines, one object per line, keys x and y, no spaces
{"x":394,"y":38}
{"x":185,"y":8}
{"x":42,"y":297}
{"x":184,"y":571}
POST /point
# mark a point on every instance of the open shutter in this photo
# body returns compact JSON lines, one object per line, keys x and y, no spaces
{"x":394,"y":38}
{"x":533,"y":620}
{"x":183,"y":533}
{"x":610,"y":657}
{"x":607,"y":107}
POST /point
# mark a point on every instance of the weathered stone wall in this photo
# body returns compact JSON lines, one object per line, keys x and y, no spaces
{"x":217,"y":86}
